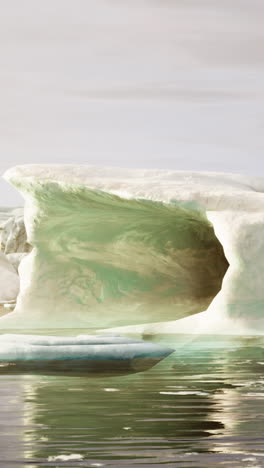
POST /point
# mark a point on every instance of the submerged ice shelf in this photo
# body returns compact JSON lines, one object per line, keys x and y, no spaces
{"x":80,"y":353}
{"x":143,"y":249}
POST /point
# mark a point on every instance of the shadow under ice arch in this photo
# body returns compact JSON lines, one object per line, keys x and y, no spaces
{"x":116,"y":247}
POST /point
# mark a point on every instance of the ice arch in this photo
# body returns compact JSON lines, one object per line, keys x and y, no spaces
{"x":116,"y":247}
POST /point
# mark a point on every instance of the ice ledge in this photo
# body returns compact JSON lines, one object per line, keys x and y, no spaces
{"x":79,"y":354}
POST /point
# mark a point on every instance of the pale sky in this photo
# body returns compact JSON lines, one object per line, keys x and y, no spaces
{"x":138,"y":83}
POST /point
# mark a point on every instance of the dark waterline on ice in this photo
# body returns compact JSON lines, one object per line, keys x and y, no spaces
{"x":201,"y":407}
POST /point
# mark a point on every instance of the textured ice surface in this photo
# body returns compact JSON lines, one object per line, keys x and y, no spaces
{"x":116,"y":247}
{"x":46,"y":348}
{"x":13,"y":238}
{"x":16,"y":258}
{"x":9,"y":280}
{"x":13,"y":247}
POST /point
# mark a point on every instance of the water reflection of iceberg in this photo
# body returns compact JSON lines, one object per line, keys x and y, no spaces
{"x":195,"y":409}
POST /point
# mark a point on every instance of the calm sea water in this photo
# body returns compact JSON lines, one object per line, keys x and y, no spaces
{"x":201,"y":407}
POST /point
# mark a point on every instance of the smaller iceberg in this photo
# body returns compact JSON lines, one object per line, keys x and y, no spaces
{"x":77,"y":355}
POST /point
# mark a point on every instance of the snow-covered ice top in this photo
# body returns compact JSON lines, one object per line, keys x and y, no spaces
{"x":214,"y":190}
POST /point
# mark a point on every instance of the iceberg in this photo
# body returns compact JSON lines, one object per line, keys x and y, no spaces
{"x":77,"y":354}
{"x":140,"y":250}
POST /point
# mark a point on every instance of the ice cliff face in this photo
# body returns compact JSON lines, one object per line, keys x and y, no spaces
{"x":114,"y":247}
